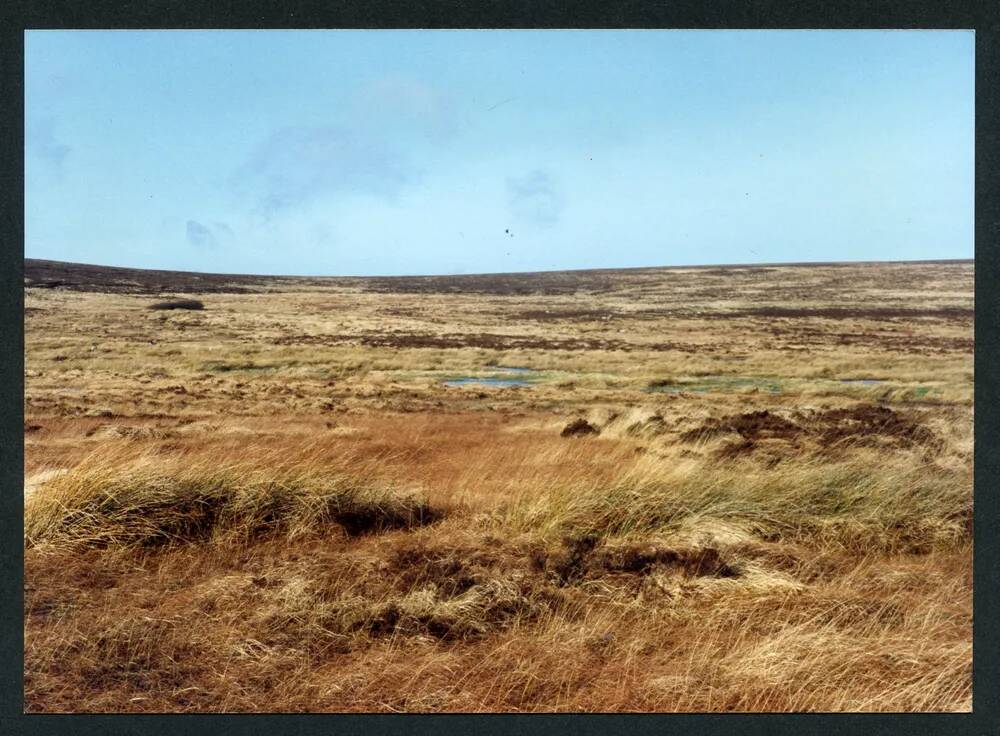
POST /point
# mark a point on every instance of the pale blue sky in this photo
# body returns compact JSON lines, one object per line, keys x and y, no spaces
{"x":406,"y":152}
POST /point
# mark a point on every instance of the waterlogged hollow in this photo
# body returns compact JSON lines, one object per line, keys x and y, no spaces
{"x":485,"y":381}
{"x":497,"y":380}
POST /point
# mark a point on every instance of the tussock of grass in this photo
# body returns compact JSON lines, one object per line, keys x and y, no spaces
{"x":910,"y":504}
{"x":482,"y":609}
{"x":120,"y":500}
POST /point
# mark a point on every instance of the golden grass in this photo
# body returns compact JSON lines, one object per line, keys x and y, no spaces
{"x":120,"y":499}
{"x":909,"y":503}
{"x":673,"y":587}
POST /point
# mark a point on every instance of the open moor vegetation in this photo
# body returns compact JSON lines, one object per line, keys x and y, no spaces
{"x":714,"y":489}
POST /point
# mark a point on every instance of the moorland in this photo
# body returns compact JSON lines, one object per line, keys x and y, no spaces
{"x":743,"y":488}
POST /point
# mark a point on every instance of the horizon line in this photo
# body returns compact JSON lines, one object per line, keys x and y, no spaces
{"x":759,"y":264}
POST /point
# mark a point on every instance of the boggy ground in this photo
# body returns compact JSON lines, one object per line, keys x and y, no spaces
{"x":743,"y":488}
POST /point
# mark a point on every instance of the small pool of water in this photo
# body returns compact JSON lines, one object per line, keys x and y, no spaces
{"x":486,"y":381}
{"x":509,"y":376}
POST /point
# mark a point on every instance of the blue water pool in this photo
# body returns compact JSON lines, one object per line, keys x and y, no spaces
{"x":486,"y":381}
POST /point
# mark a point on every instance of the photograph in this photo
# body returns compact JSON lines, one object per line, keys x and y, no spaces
{"x":498,"y":371}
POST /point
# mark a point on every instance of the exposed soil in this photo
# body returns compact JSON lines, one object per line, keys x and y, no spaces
{"x":572,"y":315}
{"x":587,"y":558}
{"x":367,"y":519}
{"x":192,"y":304}
{"x":863,"y":424}
{"x":732,"y":450}
{"x":904,"y":341}
{"x":552,"y":283}
{"x":579,"y":428}
{"x":839,"y":425}
{"x":650,"y":427}
{"x":506,"y":581}
{"x":751,"y":426}
{"x":873,"y":313}
{"x":479,"y":340}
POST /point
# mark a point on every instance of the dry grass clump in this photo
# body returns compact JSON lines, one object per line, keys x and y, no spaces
{"x":483,"y":608}
{"x":910,"y":504}
{"x":119,"y":499}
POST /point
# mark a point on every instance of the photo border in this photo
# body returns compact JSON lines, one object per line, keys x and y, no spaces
{"x":982,"y":17}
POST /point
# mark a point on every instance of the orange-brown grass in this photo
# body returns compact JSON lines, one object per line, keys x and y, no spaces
{"x":669,"y":587}
{"x":251,"y":514}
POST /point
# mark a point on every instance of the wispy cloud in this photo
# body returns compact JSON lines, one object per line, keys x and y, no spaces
{"x":41,"y":140}
{"x":208,"y":236}
{"x":200,"y":236}
{"x":535,"y":199}
{"x":295,"y":165}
